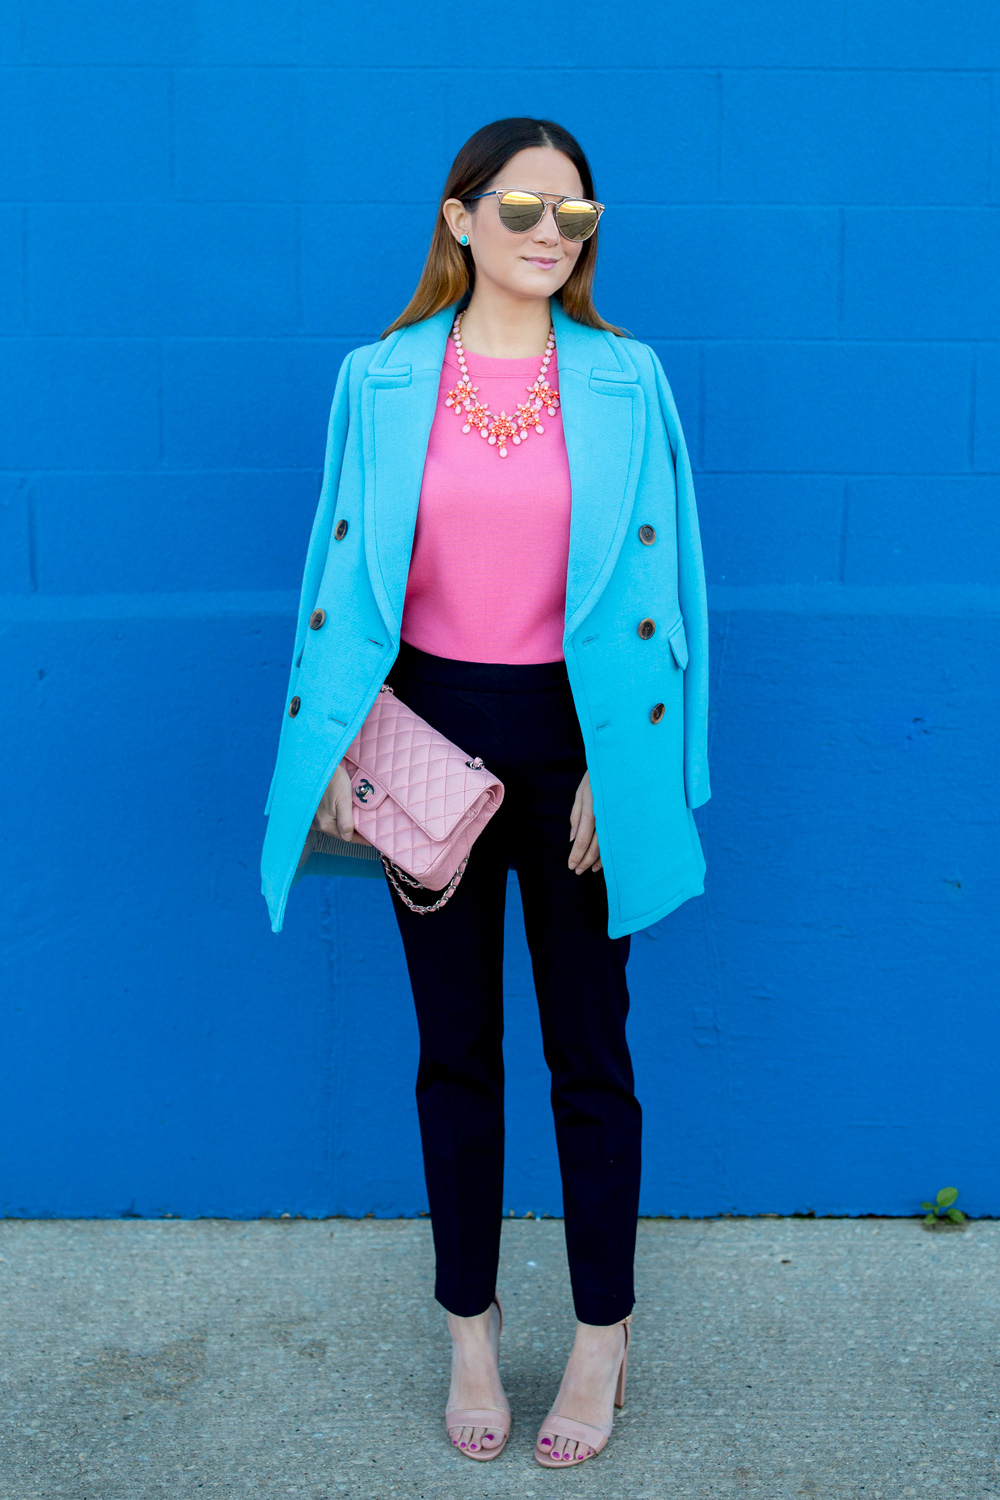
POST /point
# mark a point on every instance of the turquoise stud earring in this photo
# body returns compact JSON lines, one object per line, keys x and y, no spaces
{"x":464,"y":240}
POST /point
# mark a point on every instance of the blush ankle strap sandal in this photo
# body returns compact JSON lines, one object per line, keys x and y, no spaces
{"x":595,"y":1438}
{"x":496,"y":1423}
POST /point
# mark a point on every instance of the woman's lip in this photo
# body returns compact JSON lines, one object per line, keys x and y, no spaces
{"x":540,"y":260}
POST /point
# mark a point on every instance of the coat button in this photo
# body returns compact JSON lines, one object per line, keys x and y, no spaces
{"x":656,"y":713}
{"x":647,"y":628}
{"x":647,"y":535}
{"x":317,"y":619}
{"x":341,"y":531}
{"x":294,"y":707}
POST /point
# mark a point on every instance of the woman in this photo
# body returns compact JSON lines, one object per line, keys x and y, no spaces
{"x":538,"y":597}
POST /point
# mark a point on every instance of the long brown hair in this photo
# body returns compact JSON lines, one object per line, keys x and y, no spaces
{"x":449,"y":270}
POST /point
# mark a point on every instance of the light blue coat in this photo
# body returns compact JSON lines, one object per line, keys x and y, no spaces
{"x":629,"y":468}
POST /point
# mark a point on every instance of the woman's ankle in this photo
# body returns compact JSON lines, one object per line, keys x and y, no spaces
{"x":478,"y":1327}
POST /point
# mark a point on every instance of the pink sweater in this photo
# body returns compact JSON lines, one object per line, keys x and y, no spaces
{"x":487,"y":578}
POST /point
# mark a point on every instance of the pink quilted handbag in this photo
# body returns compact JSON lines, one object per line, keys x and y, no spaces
{"x":418,"y":798}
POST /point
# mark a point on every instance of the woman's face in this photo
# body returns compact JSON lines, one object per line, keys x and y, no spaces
{"x":538,"y":262}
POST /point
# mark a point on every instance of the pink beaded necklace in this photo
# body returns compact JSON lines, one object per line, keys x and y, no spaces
{"x":497,"y":429}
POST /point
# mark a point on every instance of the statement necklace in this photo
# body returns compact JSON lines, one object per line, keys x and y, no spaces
{"x":498,"y":429}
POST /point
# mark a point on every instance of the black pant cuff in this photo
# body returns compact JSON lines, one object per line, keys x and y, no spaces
{"x":463,"y":1304}
{"x":601,"y":1308}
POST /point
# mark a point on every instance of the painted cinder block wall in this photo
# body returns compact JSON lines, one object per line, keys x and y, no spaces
{"x":204,"y":205}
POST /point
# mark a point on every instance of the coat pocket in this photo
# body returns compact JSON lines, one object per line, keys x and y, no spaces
{"x":678,"y":644}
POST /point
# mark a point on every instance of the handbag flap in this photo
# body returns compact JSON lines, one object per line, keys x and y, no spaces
{"x":365,"y":790}
{"x":403,"y":757}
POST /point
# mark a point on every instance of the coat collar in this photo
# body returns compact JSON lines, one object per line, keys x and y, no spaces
{"x":603,"y":414}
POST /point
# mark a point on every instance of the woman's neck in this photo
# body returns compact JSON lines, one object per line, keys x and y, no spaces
{"x":503,"y":327}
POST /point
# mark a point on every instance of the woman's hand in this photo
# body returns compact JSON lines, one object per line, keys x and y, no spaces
{"x":585,"y":854}
{"x":335,"y":814}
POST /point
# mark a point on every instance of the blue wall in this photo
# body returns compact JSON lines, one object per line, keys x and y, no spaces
{"x":803,"y":219}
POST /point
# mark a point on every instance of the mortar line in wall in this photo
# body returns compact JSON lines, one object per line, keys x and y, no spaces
{"x":297,"y":266}
{"x":25,"y":262}
{"x":446,"y":95}
{"x":702,"y":398}
{"x":844,"y":522}
{"x":32,"y":542}
{"x":720,"y":125}
{"x":907,"y":474}
{"x":989,"y":138}
{"x":332,"y":943}
{"x":180,"y":471}
{"x":462,"y":70}
{"x":841,"y":268}
{"x":714,"y":985}
{"x":161,"y":454}
{"x":171,"y":133}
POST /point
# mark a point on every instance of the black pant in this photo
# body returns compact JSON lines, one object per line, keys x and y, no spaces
{"x":522,"y":721}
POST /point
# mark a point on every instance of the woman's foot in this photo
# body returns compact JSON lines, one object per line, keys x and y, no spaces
{"x":587,"y":1392}
{"x":475,"y":1380}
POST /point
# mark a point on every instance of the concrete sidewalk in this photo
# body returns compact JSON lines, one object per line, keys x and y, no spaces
{"x":824,"y":1358}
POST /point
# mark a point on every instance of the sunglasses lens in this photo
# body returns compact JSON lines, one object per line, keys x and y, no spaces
{"x":520,"y":211}
{"x":577,"y":220}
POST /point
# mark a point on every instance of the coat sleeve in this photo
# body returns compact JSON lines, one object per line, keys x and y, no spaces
{"x":693,"y":602}
{"x":319,"y":538}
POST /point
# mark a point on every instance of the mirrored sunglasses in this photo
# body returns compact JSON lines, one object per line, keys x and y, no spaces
{"x":576,"y":218}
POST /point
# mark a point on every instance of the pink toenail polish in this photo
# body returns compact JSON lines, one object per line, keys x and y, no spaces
{"x":461,"y":1445}
{"x":473,"y":1445}
{"x":489,"y":1437}
{"x":546,"y":1442}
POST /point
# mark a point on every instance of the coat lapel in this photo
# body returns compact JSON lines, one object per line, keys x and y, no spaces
{"x":603,"y":414}
{"x":398,"y":401}
{"x":603,"y":420}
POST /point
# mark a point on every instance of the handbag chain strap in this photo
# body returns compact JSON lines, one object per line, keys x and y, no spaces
{"x":393,"y":871}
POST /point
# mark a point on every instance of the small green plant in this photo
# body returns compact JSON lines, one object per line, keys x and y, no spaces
{"x":943,"y":1205}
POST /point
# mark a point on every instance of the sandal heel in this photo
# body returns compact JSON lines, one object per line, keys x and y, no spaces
{"x":620,"y":1387}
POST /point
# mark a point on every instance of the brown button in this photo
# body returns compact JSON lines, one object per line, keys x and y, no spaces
{"x":341,"y":531}
{"x":647,"y":628}
{"x":656,"y":713}
{"x":294,"y":707}
{"x":647,"y":535}
{"x":317,"y":619}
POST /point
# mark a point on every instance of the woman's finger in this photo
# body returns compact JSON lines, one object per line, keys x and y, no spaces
{"x":581,"y":842}
{"x":592,"y":853}
{"x":345,"y":820}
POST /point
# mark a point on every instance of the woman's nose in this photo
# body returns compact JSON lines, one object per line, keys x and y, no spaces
{"x":547,"y":230}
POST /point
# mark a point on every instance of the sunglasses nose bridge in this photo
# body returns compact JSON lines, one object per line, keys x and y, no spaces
{"x":548,"y":208}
